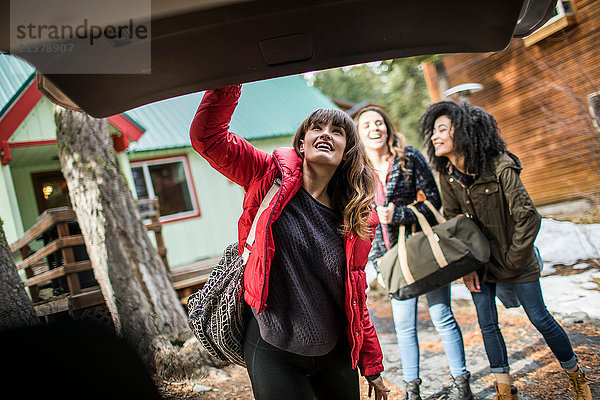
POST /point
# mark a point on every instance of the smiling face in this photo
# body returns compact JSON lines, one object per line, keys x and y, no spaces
{"x":442,"y":137}
{"x":373,"y":131}
{"x":324,"y":143}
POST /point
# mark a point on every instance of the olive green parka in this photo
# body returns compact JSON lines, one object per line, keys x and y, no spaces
{"x":500,"y":203}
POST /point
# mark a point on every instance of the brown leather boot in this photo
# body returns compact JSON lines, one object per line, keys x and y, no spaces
{"x":579,"y":386}
{"x":505,"y":392}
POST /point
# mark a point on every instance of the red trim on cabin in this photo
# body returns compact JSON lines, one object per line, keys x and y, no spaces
{"x":120,"y":142}
{"x":126,"y":126}
{"x":5,"y":155}
{"x":5,"y":147}
{"x":168,"y":221}
{"x":20,"y":108}
{"x":187,"y":165}
{"x":23,"y":105}
{"x":33,"y":143}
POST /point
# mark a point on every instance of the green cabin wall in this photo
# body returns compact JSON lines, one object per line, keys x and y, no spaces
{"x":37,"y":125}
{"x":24,"y":189}
{"x":220,"y":203}
{"x":9,"y":206}
{"x":187,"y":240}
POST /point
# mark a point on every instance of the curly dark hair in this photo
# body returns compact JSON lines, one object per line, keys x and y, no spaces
{"x":476,"y":135}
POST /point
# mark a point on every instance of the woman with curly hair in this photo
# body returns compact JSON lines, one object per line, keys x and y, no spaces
{"x":480,"y":177}
{"x":304,"y":281}
{"x":406,"y":178}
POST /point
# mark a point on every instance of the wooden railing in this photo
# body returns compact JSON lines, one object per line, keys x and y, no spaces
{"x":149,"y":209}
{"x":59,"y":275}
{"x":188,"y":279}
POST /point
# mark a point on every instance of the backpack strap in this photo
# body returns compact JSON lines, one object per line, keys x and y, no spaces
{"x":263,"y":206}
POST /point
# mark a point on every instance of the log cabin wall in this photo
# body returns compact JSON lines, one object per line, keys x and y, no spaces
{"x":538,"y":95}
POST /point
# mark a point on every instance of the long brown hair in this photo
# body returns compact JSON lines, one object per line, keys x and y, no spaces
{"x":352,"y":187}
{"x":395,"y":140}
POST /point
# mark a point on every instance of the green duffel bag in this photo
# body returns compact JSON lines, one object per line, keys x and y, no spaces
{"x":435,"y":257}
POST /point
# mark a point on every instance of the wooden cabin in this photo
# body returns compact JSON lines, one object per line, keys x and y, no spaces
{"x":544,"y":91}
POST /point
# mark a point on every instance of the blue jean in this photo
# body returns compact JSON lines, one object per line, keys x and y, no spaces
{"x":530,"y":296}
{"x":405,"y":321}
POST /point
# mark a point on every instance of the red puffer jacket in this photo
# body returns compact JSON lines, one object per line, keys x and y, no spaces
{"x":255,"y":171}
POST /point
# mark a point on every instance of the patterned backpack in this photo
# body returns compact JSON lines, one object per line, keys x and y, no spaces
{"x":216,"y":312}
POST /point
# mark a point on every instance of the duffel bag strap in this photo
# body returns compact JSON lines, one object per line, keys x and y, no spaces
{"x":402,"y":256}
{"x":432,"y":238}
{"x":263,"y":206}
{"x":438,"y":216}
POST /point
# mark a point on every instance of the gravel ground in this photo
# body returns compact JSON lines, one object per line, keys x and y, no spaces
{"x":536,"y":372}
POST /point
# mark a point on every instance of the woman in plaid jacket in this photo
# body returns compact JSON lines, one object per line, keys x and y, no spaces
{"x":406,"y":178}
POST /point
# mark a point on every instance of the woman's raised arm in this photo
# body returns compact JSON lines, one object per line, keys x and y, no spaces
{"x":228,"y":153}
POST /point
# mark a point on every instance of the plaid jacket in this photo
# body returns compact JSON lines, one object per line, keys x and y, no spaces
{"x":401,"y":189}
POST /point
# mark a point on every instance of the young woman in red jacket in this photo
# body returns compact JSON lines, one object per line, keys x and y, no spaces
{"x":309,"y":328}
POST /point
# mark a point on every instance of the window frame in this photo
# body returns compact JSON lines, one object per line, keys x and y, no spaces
{"x":558,"y":22}
{"x":594,"y":108}
{"x":145,"y":162}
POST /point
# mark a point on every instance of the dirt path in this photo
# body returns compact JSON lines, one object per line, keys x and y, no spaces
{"x":537,"y":373}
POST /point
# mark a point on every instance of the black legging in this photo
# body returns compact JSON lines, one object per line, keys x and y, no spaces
{"x":279,"y":374}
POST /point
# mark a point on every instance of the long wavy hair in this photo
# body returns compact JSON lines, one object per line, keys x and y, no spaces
{"x":476,"y":135}
{"x":353,"y":184}
{"x":395,"y":140}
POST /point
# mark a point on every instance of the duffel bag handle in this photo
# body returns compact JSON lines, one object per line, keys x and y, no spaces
{"x":438,"y":216}
{"x":432,"y":238}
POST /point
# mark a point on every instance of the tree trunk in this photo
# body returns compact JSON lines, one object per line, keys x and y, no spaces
{"x":16,"y":309}
{"x":138,"y":292}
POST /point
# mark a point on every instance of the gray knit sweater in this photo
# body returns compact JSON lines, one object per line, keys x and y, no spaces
{"x":305,"y":308}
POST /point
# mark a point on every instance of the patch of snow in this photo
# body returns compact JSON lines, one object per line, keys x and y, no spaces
{"x":570,"y":294}
{"x":580,"y":266}
{"x":562,"y":242}
{"x":548,"y":269}
{"x":201,"y":388}
{"x":589,"y":285}
{"x":460,"y":292}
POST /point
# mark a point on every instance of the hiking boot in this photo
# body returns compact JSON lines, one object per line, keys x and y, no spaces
{"x":412,"y":390}
{"x":461,"y":389}
{"x":505,"y":392}
{"x":579,"y":386}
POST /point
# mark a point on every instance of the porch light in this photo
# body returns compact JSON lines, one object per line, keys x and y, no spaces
{"x":47,"y":190}
{"x":463,"y":91}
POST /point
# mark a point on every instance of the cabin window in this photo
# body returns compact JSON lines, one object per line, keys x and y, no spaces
{"x":169,"y":179}
{"x":561,"y":9}
{"x":564,"y":15}
{"x":594,"y":107}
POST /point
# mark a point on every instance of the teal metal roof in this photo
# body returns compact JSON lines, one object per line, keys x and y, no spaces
{"x":268,"y":108}
{"x":15,"y":75}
